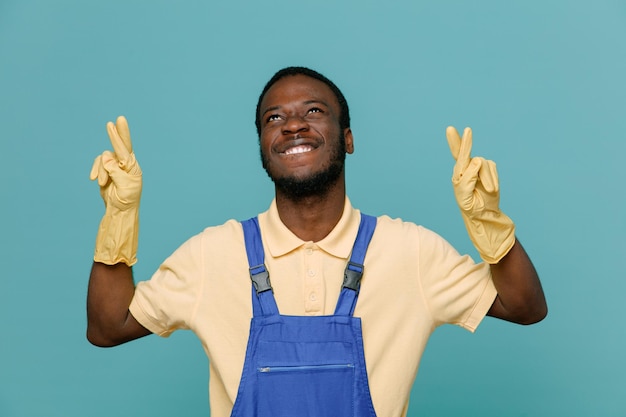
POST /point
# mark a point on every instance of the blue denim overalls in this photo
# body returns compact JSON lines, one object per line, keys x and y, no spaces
{"x":304,"y":366}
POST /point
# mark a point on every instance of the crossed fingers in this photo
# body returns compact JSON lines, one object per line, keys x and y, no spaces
{"x":122,"y":155}
{"x":477,"y":168}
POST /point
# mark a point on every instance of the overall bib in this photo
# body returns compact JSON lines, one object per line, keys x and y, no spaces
{"x":304,"y":366}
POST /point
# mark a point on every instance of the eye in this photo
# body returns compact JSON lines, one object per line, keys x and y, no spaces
{"x":315,"y":110}
{"x":272,"y":117}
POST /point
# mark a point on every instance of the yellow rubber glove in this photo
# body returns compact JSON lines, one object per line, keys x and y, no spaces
{"x":477,"y":192}
{"x":119,"y":177}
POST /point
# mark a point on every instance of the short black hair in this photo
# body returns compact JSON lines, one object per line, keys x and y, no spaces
{"x":344,"y":112}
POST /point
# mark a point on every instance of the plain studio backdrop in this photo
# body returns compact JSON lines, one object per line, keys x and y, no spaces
{"x":542,"y":84}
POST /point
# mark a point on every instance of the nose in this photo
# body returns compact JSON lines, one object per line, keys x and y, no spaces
{"x":295,"y":124}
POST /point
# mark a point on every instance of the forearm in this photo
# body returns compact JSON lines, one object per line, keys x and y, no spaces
{"x":520,"y":295}
{"x":109,"y":322}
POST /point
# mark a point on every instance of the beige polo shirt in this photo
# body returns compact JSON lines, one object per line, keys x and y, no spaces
{"x":413,"y":282}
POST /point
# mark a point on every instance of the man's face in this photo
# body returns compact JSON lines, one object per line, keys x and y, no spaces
{"x":302,"y":146}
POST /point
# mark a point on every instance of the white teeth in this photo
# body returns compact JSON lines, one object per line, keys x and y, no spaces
{"x":298,"y":149}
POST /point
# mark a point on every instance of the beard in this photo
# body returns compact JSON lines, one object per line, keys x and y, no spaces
{"x":317,"y":184}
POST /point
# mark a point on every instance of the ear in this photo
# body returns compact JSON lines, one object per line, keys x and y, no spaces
{"x":349,"y":140}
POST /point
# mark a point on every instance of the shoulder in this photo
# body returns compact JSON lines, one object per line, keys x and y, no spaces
{"x":403,"y":236}
{"x":399,"y":228}
{"x":213,"y":239}
{"x":231,"y":229}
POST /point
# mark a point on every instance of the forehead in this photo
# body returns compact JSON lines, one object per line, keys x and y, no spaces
{"x":298,"y":88}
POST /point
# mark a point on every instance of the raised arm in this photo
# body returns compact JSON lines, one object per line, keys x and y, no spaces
{"x":109,"y":323}
{"x":111,"y":285}
{"x":520,"y":297}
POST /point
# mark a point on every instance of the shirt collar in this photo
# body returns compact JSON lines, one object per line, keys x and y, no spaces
{"x":280,"y":240}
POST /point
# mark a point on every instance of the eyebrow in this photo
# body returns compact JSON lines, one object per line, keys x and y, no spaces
{"x":316,"y":102}
{"x":271,"y":109}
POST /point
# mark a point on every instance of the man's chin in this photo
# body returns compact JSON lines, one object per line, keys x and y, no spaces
{"x":316,"y":185}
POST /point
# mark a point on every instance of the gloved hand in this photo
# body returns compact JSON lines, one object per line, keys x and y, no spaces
{"x":477,"y":192}
{"x":119,"y":177}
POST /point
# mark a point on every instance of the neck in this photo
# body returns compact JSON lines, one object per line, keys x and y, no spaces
{"x":312,"y":218}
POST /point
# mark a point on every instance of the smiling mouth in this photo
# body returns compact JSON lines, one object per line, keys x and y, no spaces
{"x":298,"y":150}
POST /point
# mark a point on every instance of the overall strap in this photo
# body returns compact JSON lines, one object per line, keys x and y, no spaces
{"x":354,"y":269}
{"x":263,"y":302}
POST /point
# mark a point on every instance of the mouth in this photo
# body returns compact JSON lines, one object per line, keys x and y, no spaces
{"x":298,"y":146}
{"x":298,"y":149}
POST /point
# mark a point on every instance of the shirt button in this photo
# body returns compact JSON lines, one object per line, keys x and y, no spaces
{"x":313,"y":297}
{"x":311,"y":273}
{"x":309,"y":251}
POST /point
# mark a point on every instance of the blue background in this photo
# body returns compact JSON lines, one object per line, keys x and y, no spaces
{"x":540,"y":82}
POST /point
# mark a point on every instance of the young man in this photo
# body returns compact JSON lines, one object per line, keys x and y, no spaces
{"x":412,"y":280}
